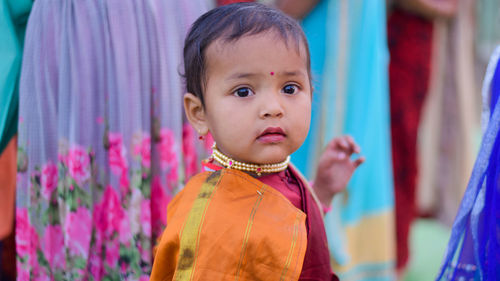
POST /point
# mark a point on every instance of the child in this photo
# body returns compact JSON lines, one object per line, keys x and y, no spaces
{"x":251,"y":215}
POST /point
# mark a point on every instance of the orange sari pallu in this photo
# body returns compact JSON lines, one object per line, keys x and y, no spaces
{"x":227,"y":225}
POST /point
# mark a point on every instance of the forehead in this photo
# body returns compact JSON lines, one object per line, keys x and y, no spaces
{"x":269,"y":48}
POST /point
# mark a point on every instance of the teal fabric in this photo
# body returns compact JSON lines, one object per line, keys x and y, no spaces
{"x":13,"y":19}
{"x":362,"y":66}
{"x":367,"y":98}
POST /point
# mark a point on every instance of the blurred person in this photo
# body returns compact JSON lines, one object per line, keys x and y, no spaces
{"x":410,"y":33}
{"x":349,"y":63}
{"x":450,"y":130}
{"x":474,"y":246}
{"x":102,"y":145}
{"x":13,"y":18}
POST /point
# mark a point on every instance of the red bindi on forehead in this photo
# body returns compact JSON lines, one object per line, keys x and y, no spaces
{"x":272,"y":73}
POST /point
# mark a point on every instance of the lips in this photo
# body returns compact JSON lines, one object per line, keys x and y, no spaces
{"x":272,"y":135}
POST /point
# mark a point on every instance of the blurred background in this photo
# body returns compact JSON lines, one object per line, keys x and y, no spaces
{"x":94,"y":143}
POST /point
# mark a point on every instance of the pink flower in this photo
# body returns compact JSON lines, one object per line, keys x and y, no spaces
{"x":53,"y":246}
{"x":123,"y":267}
{"x":26,"y":235}
{"x":78,"y":228}
{"x":22,"y":232}
{"x":112,"y":253}
{"x":49,"y":179}
{"x":144,"y":278}
{"x":40,"y":274}
{"x":124,"y":231}
{"x":96,"y":265}
{"x":78,"y":164}
{"x":145,"y":252}
{"x":23,"y":274}
{"x":124,"y":183}
{"x":168,"y":155}
{"x":116,"y":153}
{"x":159,"y":204}
{"x":95,"y":254}
{"x":110,"y":213}
{"x":144,"y":150}
{"x":146,"y":217}
{"x":189,"y":150}
{"x":172,"y":177}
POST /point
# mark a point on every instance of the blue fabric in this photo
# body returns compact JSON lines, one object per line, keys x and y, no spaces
{"x":349,"y":63}
{"x":367,"y":103}
{"x":474,"y":248}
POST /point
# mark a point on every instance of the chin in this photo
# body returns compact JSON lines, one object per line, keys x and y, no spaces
{"x":272,"y":160}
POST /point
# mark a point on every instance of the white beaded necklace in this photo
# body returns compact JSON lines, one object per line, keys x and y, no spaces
{"x":255,"y":168}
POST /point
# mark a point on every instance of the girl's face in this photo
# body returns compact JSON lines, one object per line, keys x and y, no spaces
{"x":257,"y":98}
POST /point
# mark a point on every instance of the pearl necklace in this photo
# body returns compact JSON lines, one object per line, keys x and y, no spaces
{"x":255,"y":168}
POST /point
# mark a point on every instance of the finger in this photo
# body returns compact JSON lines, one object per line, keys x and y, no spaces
{"x":354,"y":146}
{"x":331,"y":156}
{"x":342,"y":143}
{"x":359,"y":161}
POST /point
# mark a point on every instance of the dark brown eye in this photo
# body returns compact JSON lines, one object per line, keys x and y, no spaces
{"x":243,"y":92}
{"x":290,"y":89}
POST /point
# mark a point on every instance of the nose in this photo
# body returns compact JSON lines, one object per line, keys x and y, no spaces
{"x":271,"y":106}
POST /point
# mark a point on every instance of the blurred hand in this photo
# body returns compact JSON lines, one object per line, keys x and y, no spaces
{"x":431,"y":9}
{"x":296,"y":8}
{"x":335,"y":168}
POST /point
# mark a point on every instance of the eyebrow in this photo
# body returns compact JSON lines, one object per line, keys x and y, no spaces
{"x":240,"y":75}
{"x":293,"y":73}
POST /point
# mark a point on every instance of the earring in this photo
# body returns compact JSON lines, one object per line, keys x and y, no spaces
{"x":201,"y":137}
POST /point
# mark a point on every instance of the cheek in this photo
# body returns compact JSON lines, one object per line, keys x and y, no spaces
{"x":302,"y":120}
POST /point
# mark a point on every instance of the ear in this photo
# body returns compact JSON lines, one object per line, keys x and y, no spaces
{"x":195,"y":113}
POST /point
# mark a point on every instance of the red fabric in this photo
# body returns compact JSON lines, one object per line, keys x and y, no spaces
{"x":226,"y":2}
{"x":286,"y":185}
{"x":316,"y":265}
{"x":410,"y":44}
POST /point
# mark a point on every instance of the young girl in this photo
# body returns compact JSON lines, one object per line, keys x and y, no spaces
{"x":251,"y":215}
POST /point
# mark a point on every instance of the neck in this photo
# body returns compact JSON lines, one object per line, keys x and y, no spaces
{"x":258,"y":169}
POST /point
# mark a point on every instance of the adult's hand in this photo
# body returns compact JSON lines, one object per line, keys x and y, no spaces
{"x":296,"y":8}
{"x":431,"y":9}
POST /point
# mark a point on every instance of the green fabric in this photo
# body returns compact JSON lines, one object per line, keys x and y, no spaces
{"x":13,"y":19}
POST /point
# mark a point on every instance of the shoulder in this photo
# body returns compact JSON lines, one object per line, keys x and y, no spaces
{"x":189,"y":192}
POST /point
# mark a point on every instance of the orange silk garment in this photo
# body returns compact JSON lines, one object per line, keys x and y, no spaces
{"x":227,"y":225}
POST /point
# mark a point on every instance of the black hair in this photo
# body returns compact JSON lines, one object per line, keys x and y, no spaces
{"x":230,"y":23}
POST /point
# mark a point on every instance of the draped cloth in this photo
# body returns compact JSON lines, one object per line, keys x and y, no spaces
{"x":410,"y":45}
{"x":13,"y":19}
{"x":474,"y":247}
{"x":227,"y":225}
{"x":349,"y":64}
{"x":449,"y":132}
{"x":102,"y":146}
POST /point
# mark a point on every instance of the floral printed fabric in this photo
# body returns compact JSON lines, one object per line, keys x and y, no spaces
{"x":102,"y":143}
